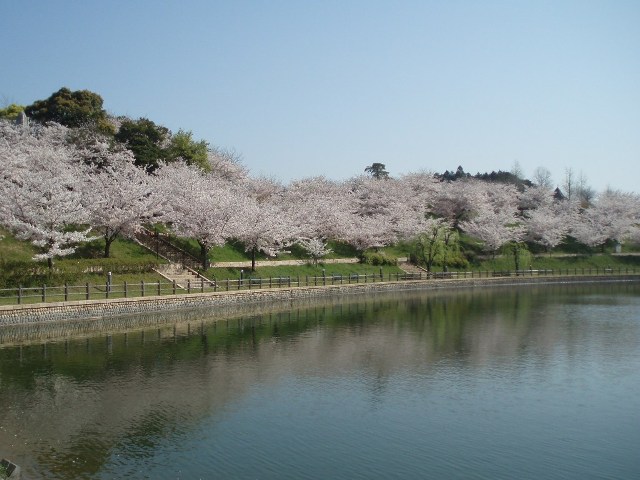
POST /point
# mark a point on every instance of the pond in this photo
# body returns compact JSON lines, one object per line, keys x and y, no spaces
{"x":520,"y":382}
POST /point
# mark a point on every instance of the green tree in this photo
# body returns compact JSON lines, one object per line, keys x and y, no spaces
{"x":520,"y":253}
{"x":146,"y":140}
{"x":377,"y":171}
{"x":429,"y":245}
{"x":437,"y":244}
{"x":72,"y":109}
{"x":182,"y":145}
{"x":11,"y":112}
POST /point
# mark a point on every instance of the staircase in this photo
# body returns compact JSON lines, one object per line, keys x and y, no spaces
{"x":184,"y":277}
{"x":182,"y":265}
{"x":412,"y":269}
{"x":158,"y":244}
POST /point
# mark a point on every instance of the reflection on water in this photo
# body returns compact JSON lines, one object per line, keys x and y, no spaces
{"x":529,"y":382}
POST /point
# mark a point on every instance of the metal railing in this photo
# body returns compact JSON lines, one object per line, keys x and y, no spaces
{"x":88,"y":291}
{"x":162,"y":247}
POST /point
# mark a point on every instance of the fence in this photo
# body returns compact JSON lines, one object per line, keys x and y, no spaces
{"x":66,"y":293}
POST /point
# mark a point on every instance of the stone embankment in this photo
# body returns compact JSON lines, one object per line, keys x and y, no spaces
{"x":233,"y":302}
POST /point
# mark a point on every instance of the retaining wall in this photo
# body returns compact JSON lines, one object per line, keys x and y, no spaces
{"x":233,"y":302}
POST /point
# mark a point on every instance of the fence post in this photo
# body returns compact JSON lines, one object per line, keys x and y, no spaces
{"x":66,"y":292}
{"x":106,"y":290}
{"x":189,"y":286}
{"x":125,"y":289}
{"x":142,"y":288}
{"x":87,"y":291}
{"x":19,"y":294}
{"x":44,"y":293}
{"x":159,"y":287}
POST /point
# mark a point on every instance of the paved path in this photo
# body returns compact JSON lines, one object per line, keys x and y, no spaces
{"x":277,"y":263}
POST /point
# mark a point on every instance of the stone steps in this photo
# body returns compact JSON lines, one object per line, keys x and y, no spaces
{"x":183,"y":277}
{"x":411,"y":268}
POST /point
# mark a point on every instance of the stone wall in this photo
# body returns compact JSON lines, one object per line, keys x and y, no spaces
{"x":235,"y":302}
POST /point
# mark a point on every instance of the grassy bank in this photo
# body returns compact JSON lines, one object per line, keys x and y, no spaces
{"x":557,"y":262}
{"x":132,"y":263}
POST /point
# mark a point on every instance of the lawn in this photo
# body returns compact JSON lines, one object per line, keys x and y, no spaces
{"x":133,"y":264}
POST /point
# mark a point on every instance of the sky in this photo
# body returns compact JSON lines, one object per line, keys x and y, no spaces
{"x":321,"y":87}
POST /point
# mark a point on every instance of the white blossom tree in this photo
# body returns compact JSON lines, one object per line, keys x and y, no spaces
{"x":202,"y":206}
{"x":120,"y":197}
{"x":315,"y":247}
{"x":41,"y":183}
{"x":317,"y":208}
{"x":613,"y":216}
{"x":496,"y":221}
{"x":548,"y":221}
{"x":381,"y":213}
{"x":264,"y":227}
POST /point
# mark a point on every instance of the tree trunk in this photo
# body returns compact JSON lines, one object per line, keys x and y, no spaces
{"x":107,"y":246}
{"x":109,"y":237}
{"x":204,"y":255}
{"x":253,"y":259}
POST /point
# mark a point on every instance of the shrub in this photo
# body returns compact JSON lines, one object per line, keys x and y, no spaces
{"x":377,"y":258}
{"x":457,"y":260}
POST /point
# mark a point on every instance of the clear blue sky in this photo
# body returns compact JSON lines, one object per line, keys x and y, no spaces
{"x":302,"y":88}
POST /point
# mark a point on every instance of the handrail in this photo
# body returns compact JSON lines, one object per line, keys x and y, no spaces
{"x":45,"y":293}
{"x":169,"y":252}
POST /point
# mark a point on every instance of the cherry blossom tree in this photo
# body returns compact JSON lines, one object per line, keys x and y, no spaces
{"x":495,"y":220}
{"x":265,"y":226}
{"x":382,"y":213}
{"x":613,"y":216}
{"x":120,"y":197}
{"x":548,"y":221}
{"x":317,"y":208}
{"x":41,"y":183}
{"x":315,"y":247}
{"x":456,"y":201}
{"x":203,"y":206}
{"x":227,"y":165}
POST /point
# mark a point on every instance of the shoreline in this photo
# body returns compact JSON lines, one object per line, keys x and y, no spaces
{"x":48,"y":321}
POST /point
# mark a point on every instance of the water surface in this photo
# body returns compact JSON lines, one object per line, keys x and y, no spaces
{"x":527,"y":382}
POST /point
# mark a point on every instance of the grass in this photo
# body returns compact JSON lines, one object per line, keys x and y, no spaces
{"x":556,"y":262}
{"x":13,"y":249}
{"x":18,"y":268}
{"x":300,"y":271}
{"x":120,"y":249}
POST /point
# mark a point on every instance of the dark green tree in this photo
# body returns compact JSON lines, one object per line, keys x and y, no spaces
{"x":182,"y":145}
{"x":72,"y":109}
{"x":146,"y":140}
{"x":11,"y":112}
{"x":377,"y":171}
